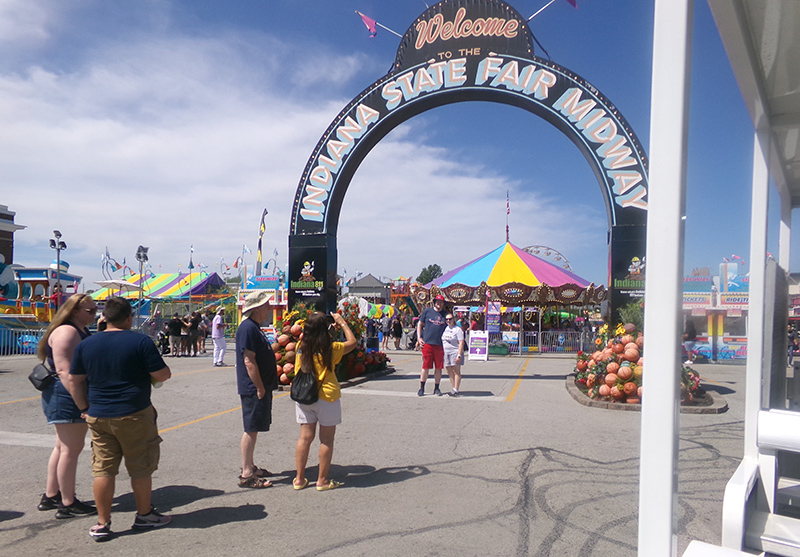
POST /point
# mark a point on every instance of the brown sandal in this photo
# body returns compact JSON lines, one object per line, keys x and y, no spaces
{"x":259,"y":472}
{"x":254,"y":482}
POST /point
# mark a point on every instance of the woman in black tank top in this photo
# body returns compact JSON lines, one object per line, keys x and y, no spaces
{"x":66,"y":330}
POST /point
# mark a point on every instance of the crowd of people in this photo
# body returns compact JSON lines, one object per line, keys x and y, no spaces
{"x":103,"y":382}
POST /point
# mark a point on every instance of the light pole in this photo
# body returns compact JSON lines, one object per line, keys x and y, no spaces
{"x":58,"y":245}
{"x":141,"y":257}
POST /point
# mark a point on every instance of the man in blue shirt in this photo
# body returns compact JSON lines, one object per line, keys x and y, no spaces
{"x":110,"y":381}
{"x":256,"y":378}
{"x":430,"y":327}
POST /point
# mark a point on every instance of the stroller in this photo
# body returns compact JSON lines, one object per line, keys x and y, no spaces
{"x":412,"y":339}
{"x":162,"y":342}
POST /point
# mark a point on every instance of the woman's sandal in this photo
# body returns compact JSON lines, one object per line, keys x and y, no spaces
{"x":254,"y":482}
{"x":297,"y":486}
{"x":332,"y":484}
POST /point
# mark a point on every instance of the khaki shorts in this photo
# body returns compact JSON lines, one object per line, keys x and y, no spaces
{"x":135,"y":437}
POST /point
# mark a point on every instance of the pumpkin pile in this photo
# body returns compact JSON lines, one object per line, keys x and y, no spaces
{"x":284,"y":348}
{"x":614,"y":371}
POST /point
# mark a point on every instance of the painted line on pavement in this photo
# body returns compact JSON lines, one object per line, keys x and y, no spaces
{"x":519,"y":381}
{"x":21,"y":400}
{"x":211,"y":416}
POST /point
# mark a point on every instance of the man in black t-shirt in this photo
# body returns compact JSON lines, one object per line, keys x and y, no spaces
{"x":175,"y":326}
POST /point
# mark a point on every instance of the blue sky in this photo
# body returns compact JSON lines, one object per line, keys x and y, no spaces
{"x":174,"y":123}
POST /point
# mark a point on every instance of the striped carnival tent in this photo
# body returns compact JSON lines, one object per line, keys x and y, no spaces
{"x":166,"y":286}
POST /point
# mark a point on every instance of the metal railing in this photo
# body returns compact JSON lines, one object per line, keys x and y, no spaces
{"x":533,"y":342}
{"x":19,"y":341}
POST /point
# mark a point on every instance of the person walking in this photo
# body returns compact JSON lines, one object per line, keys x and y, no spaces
{"x":318,"y":353}
{"x":386,"y":330}
{"x":218,"y":337}
{"x":453,"y":344}
{"x":689,"y":339}
{"x":255,"y":379}
{"x":67,"y":329}
{"x":397,"y":332}
{"x":430,"y":327}
{"x":110,"y":379}
{"x":791,"y":343}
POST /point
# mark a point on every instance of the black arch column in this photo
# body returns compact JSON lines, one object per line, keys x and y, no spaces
{"x":317,"y":254}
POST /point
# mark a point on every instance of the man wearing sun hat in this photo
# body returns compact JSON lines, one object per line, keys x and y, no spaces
{"x":430,"y":327}
{"x":255,"y":379}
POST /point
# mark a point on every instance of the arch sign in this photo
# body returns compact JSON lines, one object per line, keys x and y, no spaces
{"x":470,"y":50}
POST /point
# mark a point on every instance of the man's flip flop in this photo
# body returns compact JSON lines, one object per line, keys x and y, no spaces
{"x":332,"y":484}
{"x":303,"y":485}
{"x":254,"y":482}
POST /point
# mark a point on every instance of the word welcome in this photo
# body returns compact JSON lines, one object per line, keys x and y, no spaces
{"x":428,"y":32}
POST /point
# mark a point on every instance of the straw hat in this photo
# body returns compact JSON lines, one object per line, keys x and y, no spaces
{"x":255,"y":300}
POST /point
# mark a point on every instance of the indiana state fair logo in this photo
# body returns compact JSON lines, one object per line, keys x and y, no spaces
{"x":307,"y":279}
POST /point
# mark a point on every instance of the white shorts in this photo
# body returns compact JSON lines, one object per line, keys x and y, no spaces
{"x":322,"y":411}
{"x":450,"y":359}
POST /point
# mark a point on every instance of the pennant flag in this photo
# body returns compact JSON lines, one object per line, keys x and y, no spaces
{"x":370,"y":23}
{"x":574,"y":3}
{"x":236,"y":263}
{"x":261,"y":230}
{"x":245,"y":249}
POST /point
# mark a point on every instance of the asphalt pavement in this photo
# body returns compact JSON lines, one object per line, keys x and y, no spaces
{"x":515,"y":466}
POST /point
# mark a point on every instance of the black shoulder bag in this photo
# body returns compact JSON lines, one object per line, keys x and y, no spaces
{"x":42,"y":377}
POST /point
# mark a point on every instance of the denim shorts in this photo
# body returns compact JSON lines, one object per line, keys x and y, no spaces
{"x":58,"y":406}
{"x":256,"y":412}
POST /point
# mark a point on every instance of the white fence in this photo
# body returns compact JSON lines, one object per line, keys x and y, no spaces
{"x":533,"y":342}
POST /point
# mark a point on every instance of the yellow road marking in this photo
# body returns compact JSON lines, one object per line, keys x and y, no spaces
{"x":211,"y":416}
{"x":21,"y":400}
{"x":519,"y":381}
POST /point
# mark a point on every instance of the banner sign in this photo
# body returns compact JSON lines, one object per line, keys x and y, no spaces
{"x":479,"y":345}
{"x":468,"y":50}
{"x":493,"y":315}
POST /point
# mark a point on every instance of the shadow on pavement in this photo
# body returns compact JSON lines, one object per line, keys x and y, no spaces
{"x":10,"y":515}
{"x":362,"y":476}
{"x":167,"y":498}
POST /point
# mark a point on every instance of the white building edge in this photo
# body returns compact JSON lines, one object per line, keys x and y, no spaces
{"x":762,"y":40}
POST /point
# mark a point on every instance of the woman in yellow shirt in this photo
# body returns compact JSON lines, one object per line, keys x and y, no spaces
{"x":318,"y":353}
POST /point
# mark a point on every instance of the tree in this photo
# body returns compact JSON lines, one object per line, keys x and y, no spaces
{"x":429,"y":273}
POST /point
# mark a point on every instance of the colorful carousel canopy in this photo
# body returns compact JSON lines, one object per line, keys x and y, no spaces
{"x":508,"y":263}
{"x":514,"y":277}
{"x":164,"y":286}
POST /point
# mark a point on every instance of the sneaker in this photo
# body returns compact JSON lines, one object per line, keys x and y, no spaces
{"x":49,"y":503}
{"x":453,"y":394}
{"x":688,"y":362}
{"x":437,"y":392}
{"x":75,"y":509}
{"x":421,"y":391}
{"x":152,"y":519}
{"x":101,"y":532}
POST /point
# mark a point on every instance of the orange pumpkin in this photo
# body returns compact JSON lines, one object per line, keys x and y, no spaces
{"x":626,"y":339}
{"x":596,"y":356}
{"x":611,"y":378}
{"x":640,"y":341}
{"x":604,"y":390}
{"x":590,"y":380}
{"x":284,"y":379}
{"x":631,"y":355}
{"x":276,"y":347}
{"x":286,"y":329}
{"x":612,"y":367}
{"x":616,"y":393}
{"x":288,"y":368}
{"x":625,"y":373}
{"x":630,"y":388}
{"x":639,"y":392}
{"x":631,"y":346}
{"x":283,"y":340}
{"x":290,"y":356}
{"x":279,"y":369}
{"x":296,"y":329}
{"x":618,"y":348}
{"x":290,"y":347}
{"x":582,"y":365}
{"x":640,"y":362}
{"x":633,"y":400}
